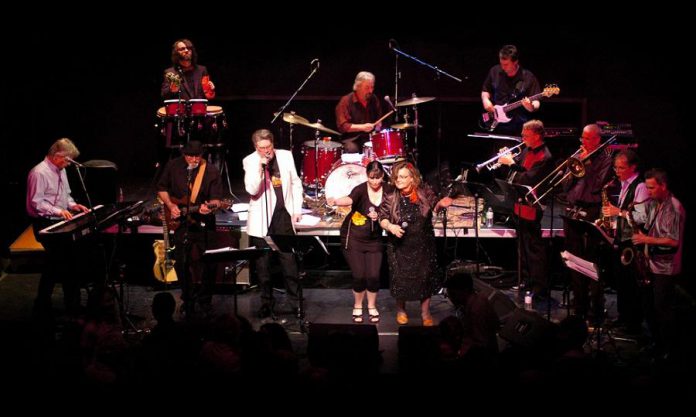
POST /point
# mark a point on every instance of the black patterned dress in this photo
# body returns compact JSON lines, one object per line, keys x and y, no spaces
{"x":412,"y":258}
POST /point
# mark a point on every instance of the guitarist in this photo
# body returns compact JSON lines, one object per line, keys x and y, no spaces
{"x":356,"y":111}
{"x":188,"y":178}
{"x":508,"y":82}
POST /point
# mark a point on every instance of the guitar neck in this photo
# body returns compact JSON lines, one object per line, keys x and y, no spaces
{"x":513,"y":106}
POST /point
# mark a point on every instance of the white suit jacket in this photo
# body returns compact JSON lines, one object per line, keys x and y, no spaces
{"x":259,"y":218}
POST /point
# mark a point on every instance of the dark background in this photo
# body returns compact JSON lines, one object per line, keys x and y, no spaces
{"x":98,"y":83}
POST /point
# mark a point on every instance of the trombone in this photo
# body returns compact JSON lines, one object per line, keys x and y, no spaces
{"x":492,"y":164}
{"x":575,"y":167}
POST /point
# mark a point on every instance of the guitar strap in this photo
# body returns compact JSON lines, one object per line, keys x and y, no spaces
{"x":197,"y":182}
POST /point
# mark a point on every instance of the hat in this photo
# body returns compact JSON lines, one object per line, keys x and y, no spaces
{"x":194,"y":147}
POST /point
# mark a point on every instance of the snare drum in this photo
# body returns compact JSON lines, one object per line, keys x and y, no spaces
{"x":387,"y":144}
{"x":343,"y":178}
{"x":318,"y":164}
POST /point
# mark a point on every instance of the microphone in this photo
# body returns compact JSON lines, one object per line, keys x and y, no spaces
{"x":268,"y":157}
{"x":404,"y":225}
{"x":315,"y":61}
{"x":74,"y":162}
{"x":388,"y":100}
{"x":393,"y":44}
{"x":372,"y":222}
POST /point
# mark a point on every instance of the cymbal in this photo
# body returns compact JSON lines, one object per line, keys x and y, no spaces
{"x":415,"y":100}
{"x":402,"y":126}
{"x":321,"y":127}
{"x":295,"y":119}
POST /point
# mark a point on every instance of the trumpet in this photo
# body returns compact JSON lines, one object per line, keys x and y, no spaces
{"x":573,"y":166}
{"x":492,"y":164}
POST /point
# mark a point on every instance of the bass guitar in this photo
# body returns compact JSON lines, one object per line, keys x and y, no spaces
{"x":499,"y":115}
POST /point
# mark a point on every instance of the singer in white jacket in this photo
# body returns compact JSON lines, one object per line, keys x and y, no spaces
{"x":275,"y":205}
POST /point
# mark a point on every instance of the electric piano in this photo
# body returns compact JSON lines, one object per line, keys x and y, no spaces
{"x":91,"y":222}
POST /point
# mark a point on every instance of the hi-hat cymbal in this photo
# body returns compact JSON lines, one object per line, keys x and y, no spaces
{"x":295,"y":119}
{"x":402,"y":126}
{"x":415,"y":100}
{"x":320,"y":127}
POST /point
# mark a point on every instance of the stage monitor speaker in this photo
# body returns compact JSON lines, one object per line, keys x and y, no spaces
{"x":529,"y":330}
{"x":101,"y":181}
{"x":419,"y":348}
{"x":343,"y":345}
{"x":503,"y":306}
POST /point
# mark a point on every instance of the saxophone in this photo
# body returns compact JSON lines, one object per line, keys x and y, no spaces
{"x":637,"y":255}
{"x":605,"y":222}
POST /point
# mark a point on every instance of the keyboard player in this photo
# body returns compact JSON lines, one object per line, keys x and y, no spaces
{"x":49,"y":201}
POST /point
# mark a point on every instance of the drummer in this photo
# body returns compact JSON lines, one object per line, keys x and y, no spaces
{"x":356,"y":112}
{"x":185,"y":79}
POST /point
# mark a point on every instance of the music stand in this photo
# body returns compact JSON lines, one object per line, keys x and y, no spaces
{"x":241,"y":256}
{"x":477,"y":190}
{"x":597,"y":235}
{"x":300,"y":246}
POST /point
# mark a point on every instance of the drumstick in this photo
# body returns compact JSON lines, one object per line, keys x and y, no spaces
{"x":383,"y":117}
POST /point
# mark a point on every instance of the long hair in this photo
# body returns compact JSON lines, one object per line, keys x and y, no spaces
{"x":189,"y":45}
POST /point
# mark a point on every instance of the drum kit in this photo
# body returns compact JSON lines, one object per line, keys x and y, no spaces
{"x":326,"y":171}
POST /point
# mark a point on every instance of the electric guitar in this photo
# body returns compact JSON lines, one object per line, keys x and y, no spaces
{"x":164,"y":265}
{"x":186,"y":209}
{"x":491,"y":120}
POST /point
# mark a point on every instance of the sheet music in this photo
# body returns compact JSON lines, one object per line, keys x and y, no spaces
{"x":308,"y":220}
{"x":580,"y":265}
{"x":239,"y":207}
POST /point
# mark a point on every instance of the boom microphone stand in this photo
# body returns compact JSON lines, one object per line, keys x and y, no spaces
{"x":315,"y":67}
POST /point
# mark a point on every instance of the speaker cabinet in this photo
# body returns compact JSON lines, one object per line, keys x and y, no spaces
{"x":529,"y":330}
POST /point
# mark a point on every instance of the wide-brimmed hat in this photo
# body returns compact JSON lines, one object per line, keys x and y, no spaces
{"x":194,"y":147}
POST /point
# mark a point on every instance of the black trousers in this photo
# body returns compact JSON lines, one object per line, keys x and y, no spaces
{"x":365,"y":268}
{"x":198,"y":280}
{"x":533,"y":255}
{"x":63,"y":263}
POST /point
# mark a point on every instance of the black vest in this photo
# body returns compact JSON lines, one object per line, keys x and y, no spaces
{"x":624,"y":232}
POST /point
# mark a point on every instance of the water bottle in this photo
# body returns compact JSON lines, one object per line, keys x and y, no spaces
{"x":528,"y":300}
{"x":489,"y":217}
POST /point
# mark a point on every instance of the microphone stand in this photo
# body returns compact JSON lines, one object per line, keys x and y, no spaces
{"x":89,"y":200}
{"x":187,"y":284}
{"x":396,"y":83}
{"x":437,"y":70}
{"x":282,"y":109}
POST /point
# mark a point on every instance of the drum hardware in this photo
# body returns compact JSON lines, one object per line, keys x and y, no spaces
{"x":413,"y":101}
{"x":404,"y":126}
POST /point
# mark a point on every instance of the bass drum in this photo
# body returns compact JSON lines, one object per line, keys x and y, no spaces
{"x":343,"y":178}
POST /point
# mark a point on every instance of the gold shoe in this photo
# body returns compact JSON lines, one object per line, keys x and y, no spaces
{"x":357,"y":315}
{"x":401,"y":318}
